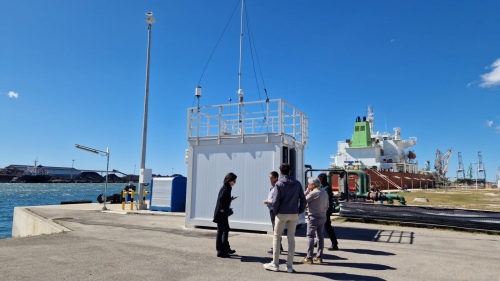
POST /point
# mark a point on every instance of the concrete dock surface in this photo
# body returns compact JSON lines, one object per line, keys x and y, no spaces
{"x":146,"y":245}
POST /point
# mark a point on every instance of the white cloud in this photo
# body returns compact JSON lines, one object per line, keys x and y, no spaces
{"x":497,"y":129}
{"x":471,"y":83}
{"x":13,"y":95}
{"x":492,"y":78}
{"x":489,"y":123}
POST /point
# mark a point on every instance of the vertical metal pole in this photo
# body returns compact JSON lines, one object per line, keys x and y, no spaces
{"x":240,"y":91}
{"x":241,"y":42}
{"x":145,"y":120}
{"x":106,"y":183}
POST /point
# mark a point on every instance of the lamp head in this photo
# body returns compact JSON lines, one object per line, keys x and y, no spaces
{"x":89,"y":149}
{"x":149,"y":18}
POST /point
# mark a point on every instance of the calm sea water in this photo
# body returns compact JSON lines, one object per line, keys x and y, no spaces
{"x":36,"y":194}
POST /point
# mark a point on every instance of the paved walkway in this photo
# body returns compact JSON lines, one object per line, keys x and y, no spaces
{"x":144,"y":245}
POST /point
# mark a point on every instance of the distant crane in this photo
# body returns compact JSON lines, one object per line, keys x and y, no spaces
{"x":470,"y":173}
{"x":480,"y":167}
{"x":441,"y":165}
{"x":460,"y":168}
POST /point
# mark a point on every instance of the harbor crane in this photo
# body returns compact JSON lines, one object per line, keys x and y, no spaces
{"x":481,"y":171}
{"x":441,"y":165}
{"x":460,"y":169}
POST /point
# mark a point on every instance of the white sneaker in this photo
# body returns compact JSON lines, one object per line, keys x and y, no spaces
{"x":271,"y":266}
{"x":289,"y":269}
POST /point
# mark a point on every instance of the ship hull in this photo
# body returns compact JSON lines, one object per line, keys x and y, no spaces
{"x":394,"y":179}
{"x":6,"y":177}
{"x":386,"y":180}
{"x":34,"y":178}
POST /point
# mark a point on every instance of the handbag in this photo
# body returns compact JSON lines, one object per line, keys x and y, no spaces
{"x":229,"y":212}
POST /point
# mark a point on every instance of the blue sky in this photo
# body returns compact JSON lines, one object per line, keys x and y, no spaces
{"x":74,"y":72}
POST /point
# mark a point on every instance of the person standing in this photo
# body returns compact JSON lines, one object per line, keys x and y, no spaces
{"x":328,"y":223}
{"x":221,"y":215}
{"x":317,"y":202}
{"x":273,"y":178}
{"x":289,"y":203}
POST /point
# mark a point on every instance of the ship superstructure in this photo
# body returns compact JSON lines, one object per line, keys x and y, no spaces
{"x":385,"y":156}
{"x":383,"y":151}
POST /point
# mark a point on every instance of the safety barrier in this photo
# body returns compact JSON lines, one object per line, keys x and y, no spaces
{"x":132,"y":194}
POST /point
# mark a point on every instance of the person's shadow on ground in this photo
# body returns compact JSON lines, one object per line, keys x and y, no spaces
{"x":330,"y":275}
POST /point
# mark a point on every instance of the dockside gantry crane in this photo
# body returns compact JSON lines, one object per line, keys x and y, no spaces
{"x":481,"y":171}
{"x":441,"y":166}
{"x":460,"y":169}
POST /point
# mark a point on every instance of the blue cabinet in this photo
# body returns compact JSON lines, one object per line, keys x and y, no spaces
{"x":168,"y":194}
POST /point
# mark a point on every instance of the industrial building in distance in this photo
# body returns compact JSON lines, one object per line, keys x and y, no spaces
{"x":41,"y":174}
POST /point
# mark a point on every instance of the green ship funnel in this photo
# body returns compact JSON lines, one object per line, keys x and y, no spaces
{"x":362,"y":135}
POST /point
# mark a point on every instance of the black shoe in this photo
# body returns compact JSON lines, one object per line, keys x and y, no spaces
{"x":231,"y":251}
{"x":333,"y":248}
{"x":222,"y":255}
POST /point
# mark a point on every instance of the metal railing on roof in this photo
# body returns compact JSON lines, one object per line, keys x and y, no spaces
{"x":247,"y":119}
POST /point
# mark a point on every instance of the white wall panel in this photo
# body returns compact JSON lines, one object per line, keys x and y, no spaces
{"x":252,"y":163}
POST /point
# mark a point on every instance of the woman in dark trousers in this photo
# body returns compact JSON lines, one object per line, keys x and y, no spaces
{"x":328,"y":224}
{"x":221,"y":214}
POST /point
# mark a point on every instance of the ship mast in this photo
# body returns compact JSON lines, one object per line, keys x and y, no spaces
{"x":370,"y":118}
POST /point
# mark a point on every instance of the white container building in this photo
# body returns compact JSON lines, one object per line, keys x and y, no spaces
{"x":250,"y":139}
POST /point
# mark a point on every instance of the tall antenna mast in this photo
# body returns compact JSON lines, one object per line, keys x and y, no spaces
{"x":240,"y":91}
{"x":241,"y":46}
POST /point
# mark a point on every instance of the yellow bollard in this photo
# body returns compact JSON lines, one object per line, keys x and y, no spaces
{"x":132,"y":194}
{"x":124,"y":192}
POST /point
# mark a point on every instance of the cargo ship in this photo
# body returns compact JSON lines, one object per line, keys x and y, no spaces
{"x":385,"y":157}
{"x":35,"y":174}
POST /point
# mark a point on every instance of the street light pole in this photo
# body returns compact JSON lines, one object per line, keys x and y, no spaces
{"x":150,"y":20}
{"x":97,"y":151}
{"x":72,"y":164}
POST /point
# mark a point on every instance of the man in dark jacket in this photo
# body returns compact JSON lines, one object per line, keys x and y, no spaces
{"x":221,"y":214}
{"x":328,"y":224}
{"x":289,"y":203}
